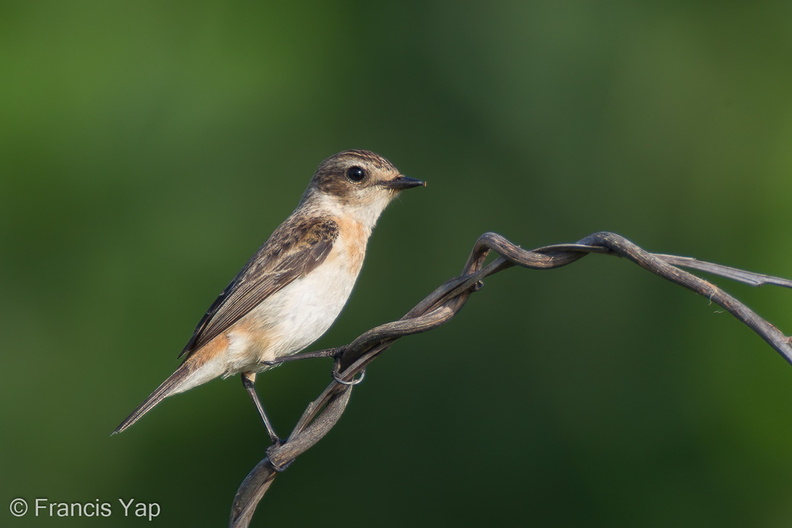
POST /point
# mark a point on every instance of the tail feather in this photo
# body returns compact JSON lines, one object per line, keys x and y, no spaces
{"x":168,"y":387}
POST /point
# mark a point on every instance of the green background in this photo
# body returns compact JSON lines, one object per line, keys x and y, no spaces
{"x":148,"y":148}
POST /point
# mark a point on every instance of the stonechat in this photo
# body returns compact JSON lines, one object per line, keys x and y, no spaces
{"x":295,"y":286}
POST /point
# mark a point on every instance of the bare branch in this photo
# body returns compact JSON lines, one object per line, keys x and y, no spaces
{"x":442,"y":304}
{"x":747,"y":277}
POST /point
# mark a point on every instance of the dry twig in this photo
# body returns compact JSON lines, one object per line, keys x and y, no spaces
{"x":443,"y":303}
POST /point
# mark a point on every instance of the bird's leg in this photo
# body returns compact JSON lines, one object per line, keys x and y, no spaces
{"x":248,"y":380}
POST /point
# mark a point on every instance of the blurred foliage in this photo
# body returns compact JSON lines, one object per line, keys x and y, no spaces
{"x":147,"y":149}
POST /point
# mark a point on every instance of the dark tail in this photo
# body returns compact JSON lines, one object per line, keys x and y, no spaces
{"x":168,"y":387}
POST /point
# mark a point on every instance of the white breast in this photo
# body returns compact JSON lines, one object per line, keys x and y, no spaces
{"x":309,"y":306}
{"x":293,"y":318}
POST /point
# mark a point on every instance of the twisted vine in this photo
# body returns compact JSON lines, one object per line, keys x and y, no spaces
{"x":443,"y":303}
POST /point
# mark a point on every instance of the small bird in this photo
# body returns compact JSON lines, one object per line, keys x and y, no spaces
{"x":295,"y":286}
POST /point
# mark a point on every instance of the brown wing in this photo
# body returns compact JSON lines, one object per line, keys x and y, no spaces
{"x":293,"y":251}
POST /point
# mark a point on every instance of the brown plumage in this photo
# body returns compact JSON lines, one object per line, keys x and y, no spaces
{"x":293,"y":288}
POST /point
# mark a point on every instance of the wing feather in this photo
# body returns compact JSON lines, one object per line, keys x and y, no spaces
{"x":293,"y":251}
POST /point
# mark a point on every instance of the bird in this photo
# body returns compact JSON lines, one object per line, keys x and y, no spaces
{"x":294,"y":287}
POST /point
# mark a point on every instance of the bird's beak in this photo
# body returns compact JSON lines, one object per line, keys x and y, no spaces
{"x":403,"y":182}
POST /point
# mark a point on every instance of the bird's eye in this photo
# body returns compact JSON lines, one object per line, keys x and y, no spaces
{"x":356,"y":174}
